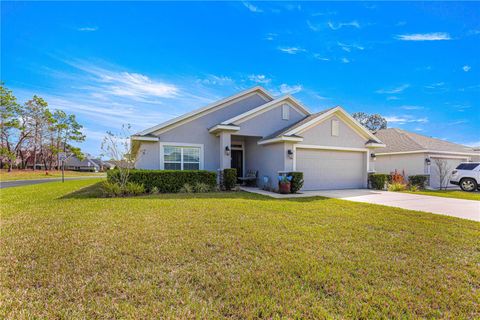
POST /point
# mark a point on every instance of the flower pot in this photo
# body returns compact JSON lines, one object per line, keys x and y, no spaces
{"x":284,"y":187}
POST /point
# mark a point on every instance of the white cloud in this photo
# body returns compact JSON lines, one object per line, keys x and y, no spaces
{"x":394,"y":90}
{"x":320,"y":57}
{"x":473,"y":144}
{"x":436,"y":85}
{"x":270,"y":36}
{"x":259,"y":78}
{"x":434,"y":36}
{"x":217,"y":80}
{"x":288,"y":89}
{"x":252,"y":7}
{"x":291,"y":50}
{"x":466,"y":68}
{"x":340,"y":25}
{"x":411,"y":107}
{"x":88,"y":29}
{"x":349,"y":47}
{"x":393,"y":98}
{"x":406,"y":119}
{"x":345,"y":60}
{"x":312,"y":26}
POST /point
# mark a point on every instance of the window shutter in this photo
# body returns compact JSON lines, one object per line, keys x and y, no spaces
{"x":285,"y":112}
{"x":335,"y":128}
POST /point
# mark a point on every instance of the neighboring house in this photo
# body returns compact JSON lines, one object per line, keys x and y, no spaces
{"x":103,"y":165}
{"x":415,"y":154}
{"x":87,"y":164}
{"x":254,"y":131}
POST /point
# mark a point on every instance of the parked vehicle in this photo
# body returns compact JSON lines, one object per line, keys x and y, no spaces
{"x":467,"y":176}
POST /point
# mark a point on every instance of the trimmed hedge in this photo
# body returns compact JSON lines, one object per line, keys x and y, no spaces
{"x":378,"y":180}
{"x":419,"y":180}
{"x":229,"y":178}
{"x":297,"y":181}
{"x":167,"y":180}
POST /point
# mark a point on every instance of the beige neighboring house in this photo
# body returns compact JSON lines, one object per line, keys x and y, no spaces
{"x":416,"y":154}
{"x":254,"y":131}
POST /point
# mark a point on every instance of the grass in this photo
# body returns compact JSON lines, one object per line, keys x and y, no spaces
{"x":67,"y":255}
{"x":41,"y":174}
{"x":458,"y":194}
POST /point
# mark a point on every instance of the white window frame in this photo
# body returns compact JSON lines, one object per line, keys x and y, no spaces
{"x":180,"y":144}
{"x":335,"y":123}
{"x":285,"y":112}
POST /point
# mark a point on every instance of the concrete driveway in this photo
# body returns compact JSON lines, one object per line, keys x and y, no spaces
{"x":465,"y":209}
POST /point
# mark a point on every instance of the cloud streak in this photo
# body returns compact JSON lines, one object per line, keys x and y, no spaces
{"x":340,"y":25}
{"x":398,"y":89}
{"x":251,"y":7}
{"x":87,"y":29}
{"x":292,"y":50}
{"x":434,"y":36}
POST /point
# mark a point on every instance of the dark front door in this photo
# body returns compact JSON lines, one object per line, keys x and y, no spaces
{"x":237,"y":161}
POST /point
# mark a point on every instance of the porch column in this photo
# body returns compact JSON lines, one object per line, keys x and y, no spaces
{"x":225,"y":141}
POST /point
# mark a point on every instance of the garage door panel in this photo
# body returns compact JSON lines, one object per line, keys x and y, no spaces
{"x":327,"y":169}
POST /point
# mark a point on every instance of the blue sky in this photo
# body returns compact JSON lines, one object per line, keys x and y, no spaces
{"x":417,"y":64}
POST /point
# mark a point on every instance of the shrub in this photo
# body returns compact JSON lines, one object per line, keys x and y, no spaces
{"x":166,"y":180}
{"x":201,"y":187}
{"x":397,"y":187}
{"x":396,"y":177}
{"x":186,"y":188}
{"x":413,"y":188}
{"x":111,"y":189}
{"x":154,"y":190}
{"x":134,"y":189}
{"x":229,"y":178}
{"x":297,"y":181}
{"x":378,"y":180}
{"x":419,"y":180}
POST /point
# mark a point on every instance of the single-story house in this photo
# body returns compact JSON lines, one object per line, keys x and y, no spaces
{"x":253,"y":131}
{"x":414,"y":154}
{"x":86,"y":164}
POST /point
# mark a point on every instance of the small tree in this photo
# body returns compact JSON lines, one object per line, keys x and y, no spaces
{"x":443,"y":170}
{"x":117,"y":148}
{"x":372,"y":122}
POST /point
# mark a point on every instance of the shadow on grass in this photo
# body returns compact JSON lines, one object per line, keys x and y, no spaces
{"x":95,"y":191}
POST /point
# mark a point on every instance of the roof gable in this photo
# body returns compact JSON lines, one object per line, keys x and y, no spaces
{"x":207,"y":109}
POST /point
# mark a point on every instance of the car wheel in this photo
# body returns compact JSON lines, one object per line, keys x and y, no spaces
{"x":468,"y":184}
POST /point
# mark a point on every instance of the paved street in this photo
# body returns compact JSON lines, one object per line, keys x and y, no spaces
{"x":19,"y":183}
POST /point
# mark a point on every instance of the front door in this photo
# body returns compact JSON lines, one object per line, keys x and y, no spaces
{"x":237,"y":161}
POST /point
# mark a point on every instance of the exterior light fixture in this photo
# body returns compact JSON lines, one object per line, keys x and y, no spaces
{"x":373,"y":156}
{"x":428,"y":161}
{"x":290,"y":153}
{"x":227,"y":150}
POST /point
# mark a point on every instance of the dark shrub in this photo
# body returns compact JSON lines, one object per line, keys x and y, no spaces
{"x":378,"y":180}
{"x":419,"y":180}
{"x":297,"y":181}
{"x":229,"y":178}
{"x":167,"y":180}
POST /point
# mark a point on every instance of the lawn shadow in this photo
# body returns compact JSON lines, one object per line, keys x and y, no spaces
{"x":95,"y":191}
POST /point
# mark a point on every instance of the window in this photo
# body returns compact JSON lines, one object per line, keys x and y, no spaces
{"x":467,"y":166}
{"x":335,"y":128}
{"x":181,"y":157}
{"x":285,"y":112}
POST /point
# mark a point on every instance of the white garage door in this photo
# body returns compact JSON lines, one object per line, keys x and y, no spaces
{"x":328,"y":169}
{"x":435,"y":175}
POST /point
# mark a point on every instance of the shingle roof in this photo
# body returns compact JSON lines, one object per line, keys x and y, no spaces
{"x":282,"y":132}
{"x":398,"y":140}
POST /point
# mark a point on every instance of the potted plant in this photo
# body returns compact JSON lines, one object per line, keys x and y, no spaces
{"x":284,"y":184}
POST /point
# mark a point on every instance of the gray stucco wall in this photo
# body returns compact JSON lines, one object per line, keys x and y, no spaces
{"x":322,"y":135}
{"x":410,"y":163}
{"x":269,"y":122}
{"x":267,"y":159}
{"x":148,"y":156}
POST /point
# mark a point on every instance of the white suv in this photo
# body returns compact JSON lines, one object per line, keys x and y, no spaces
{"x":467,"y":176}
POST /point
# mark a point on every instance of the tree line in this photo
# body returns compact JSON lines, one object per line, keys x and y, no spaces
{"x":33,"y":135}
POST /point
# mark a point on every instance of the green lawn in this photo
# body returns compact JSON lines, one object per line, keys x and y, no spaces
{"x":229,"y":255}
{"x":41,"y":174}
{"x":449,"y":194}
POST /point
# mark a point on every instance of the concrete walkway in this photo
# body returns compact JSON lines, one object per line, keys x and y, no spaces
{"x":20,"y":183}
{"x":465,"y":209}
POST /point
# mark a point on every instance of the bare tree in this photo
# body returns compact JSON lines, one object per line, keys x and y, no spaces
{"x":117,"y":148}
{"x":443,"y":170}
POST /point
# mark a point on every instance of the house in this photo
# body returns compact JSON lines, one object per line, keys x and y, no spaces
{"x":414,"y":154}
{"x":252,"y":130}
{"x":88,"y":164}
